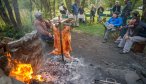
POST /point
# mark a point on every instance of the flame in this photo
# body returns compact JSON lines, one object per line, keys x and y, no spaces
{"x":8,"y":55}
{"x":20,"y":71}
{"x":38,"y":77}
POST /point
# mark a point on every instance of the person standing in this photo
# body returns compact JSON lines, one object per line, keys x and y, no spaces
{"x":126,"y":11}
{"x":81,"y":15}
{"x":63,"y":9}
{"x":100,"y":11}
{"x":92,"y":13}
{"x":75,"y":11}
{"x":116,"y":7}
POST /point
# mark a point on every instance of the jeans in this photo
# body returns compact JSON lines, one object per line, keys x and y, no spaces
{"x":127,"y":44}
{"x":76,"y":20}
{"x":108,"y":30}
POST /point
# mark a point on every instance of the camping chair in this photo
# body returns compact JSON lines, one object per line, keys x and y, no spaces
{"x":113,"y":34}
{"x":102,"y":21}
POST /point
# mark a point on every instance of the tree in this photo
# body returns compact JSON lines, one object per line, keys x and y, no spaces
{"x":4,"y":15}
{"x":50,"y":9}
{"x":9,"y":9}
{"x":54,"y":9}
{"x":83,"y":3}
{"x":17,"y":14}
{"x":68,"y":4}
{"x":78,"y":2}
{"x":134,"y":3}
{"x":144,"y":11}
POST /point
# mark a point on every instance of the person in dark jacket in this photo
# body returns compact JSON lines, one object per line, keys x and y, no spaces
{"x":75,"y":10}
{"x":126,"y":11}
{"x":92,"y":13}
{"x":81,"y":15}
{"x":138,"y":35}
{"x":100,"y":11}
{"x":81,"y":10}
{"x":123,"y":29}
{"x":116,"y":7}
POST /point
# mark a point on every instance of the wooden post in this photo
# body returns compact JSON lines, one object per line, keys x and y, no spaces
{"x":61,"y":45}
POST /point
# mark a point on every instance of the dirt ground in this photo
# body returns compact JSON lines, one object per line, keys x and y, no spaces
{"x":105,"y":57}
{"x":94,"y":51}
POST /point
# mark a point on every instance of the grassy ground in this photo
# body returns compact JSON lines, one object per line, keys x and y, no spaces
{"x":92,"y":29}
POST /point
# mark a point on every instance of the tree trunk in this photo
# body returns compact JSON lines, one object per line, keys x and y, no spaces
{"x":50,"y":9}
{"x":47,"y":8}
{"x":41,"y":5}
{"x":83,"y":3}
{"x":37,"y":4}
{"x":144,"y":11}
{"x":4,"y":15}
{"x":68,"y":4}
{"x":134,"y":3}
{"x":31,"y":10}
{"x":78,"y":2}
{"x":7,"y":4}
{"x":17,"y":13}
{"x":54,"y":10}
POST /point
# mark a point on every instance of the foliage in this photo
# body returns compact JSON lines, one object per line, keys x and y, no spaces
{"x":50,"y":10}
{"x":24,"y":4}
{"x":9,"y":31}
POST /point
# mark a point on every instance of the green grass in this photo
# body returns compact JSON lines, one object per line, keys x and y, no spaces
{"x":92,"y":29}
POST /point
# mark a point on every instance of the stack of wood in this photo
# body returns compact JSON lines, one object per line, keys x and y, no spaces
{"x":138,"y":47}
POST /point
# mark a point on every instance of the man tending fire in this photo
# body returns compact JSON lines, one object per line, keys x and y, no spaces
{"x":42,"y":27}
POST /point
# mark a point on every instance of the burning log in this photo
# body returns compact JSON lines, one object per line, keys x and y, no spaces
{"x":4,"y":72}
{"x":3,"y":64}
{"x":3,"y":47}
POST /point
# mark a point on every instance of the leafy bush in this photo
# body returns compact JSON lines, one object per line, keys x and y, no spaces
{"x":11,"y":32}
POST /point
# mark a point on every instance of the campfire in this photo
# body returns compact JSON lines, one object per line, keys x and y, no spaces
{"x":21,"y":71}
{"x":51,"y":71}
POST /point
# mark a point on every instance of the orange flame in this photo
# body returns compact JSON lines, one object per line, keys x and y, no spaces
{"x":20,"y":71}
{"x":38,"y":77}
{"x":8,"y":54}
